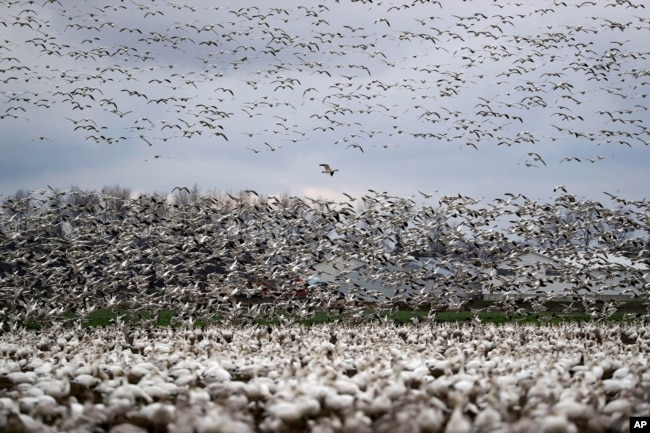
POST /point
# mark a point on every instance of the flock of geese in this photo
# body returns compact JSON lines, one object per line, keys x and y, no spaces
{"x":335,"y":77}
{"x":327,"y":378}
{"x":66,"y":254}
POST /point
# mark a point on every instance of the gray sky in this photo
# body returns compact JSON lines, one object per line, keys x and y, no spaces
{"x":478,"y":98}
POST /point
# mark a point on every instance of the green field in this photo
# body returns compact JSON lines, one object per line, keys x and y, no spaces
{"x":478,"y":312}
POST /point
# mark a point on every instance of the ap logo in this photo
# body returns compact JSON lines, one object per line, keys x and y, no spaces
{"x":640,"y":424}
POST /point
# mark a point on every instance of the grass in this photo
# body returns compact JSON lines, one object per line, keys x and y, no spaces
{"x":554,"y":314}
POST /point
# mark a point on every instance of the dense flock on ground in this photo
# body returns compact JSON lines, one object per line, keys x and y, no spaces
{"x":326,"y":378}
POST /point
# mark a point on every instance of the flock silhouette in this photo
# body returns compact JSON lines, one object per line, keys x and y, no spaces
{"x":207,"y":255}
{"x":362,"y":74}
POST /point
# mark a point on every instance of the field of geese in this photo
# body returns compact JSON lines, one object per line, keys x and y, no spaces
{"x":281,"y":309}
{"x":67,"y":253}
{"x":327,"y":378}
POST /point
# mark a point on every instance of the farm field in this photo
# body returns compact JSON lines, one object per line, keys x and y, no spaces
{"x":477,"y":311}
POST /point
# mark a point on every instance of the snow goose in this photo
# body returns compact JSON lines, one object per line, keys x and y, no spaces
{"x":328,"y":170}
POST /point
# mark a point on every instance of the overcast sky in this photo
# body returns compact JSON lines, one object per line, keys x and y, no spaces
{"x":478,"y":98}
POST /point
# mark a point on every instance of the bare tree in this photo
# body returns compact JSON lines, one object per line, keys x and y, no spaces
{"x":114,"y":202}
{"x":19,"y":207}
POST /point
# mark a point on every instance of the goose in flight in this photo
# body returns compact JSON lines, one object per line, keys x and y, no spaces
{"x":328,"y":170}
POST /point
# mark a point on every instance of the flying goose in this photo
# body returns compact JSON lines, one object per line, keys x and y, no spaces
{"x":328,"y":170}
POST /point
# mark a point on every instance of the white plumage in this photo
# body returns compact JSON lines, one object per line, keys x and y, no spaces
{"x":369,"y":375}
